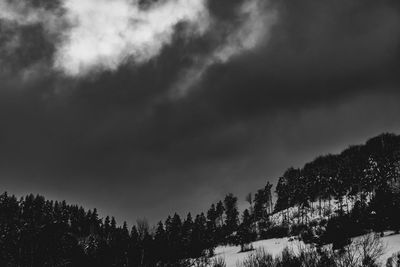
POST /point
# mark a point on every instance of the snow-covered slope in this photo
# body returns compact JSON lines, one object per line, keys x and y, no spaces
{"x":392,"y":243}
{"x":233,"y":257}
{"x":316,"y":211}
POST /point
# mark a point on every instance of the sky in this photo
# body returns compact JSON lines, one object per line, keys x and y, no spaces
{"x":146,"y":108}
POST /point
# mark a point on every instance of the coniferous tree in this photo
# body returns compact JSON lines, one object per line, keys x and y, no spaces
{"x":212,"y":230}
{"x":134,"y":250}
{"x":220,"y":209}
{"x":174,"y":237}
{"x":263,"y":203}
{"x":246,"y":233}
{"x":282,"y":192}
{"x":200,"y":242}
{"x":187,"y":229}
{"x":259,"y":208}
{"x":232,"y":217}
{"x":160,"y":243}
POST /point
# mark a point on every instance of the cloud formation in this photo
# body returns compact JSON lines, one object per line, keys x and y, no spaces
{"x":100,"y":35}
{"x":20,"y":13}
{"x":256,"y":18}
{"x":256,"y":21}
{"x":104,"y":34}
{"x":96,"y":35}
{"x":326,"y":77}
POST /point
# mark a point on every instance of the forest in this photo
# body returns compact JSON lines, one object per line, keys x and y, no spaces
{"x":363,"y":181}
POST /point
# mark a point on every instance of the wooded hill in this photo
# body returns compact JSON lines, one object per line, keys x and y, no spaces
{"x":39,"y":232}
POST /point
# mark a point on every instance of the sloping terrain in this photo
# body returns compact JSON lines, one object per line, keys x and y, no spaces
{"x":233,"y":257}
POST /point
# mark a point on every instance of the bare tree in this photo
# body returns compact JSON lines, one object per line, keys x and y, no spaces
{"x":364,"y":251}
{"x":371,"y":249}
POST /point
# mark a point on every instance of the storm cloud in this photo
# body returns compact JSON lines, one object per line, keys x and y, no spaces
{"x":103,"y":103}
{"x":103,"y":34}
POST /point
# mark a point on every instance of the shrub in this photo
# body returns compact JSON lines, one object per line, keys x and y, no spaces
{"x":288,"y":259}
{"x":218,"y":262}
{"x":363,"y":252}
{"x":258,"y":259}
{"x":394,"y":260}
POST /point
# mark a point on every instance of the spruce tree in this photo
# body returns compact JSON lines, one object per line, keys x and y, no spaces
{"x":246,"y":232}
{"x":232,"y":217}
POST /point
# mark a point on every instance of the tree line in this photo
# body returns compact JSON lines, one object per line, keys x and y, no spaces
{"x":366,"y":176}
{"x":39,"y":232}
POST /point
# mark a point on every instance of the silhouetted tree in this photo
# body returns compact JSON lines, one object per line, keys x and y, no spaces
{"x":232,"y":217}
{"x":246,"y":233}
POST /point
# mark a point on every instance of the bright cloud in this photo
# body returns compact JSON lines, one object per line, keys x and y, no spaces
{"x":98,"y":35}
{"x":104,"y":33}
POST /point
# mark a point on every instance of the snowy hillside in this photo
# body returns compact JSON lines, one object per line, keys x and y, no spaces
{"x":315,"y":212}
{"x":274,"y":246}
{"x":233,"y":257}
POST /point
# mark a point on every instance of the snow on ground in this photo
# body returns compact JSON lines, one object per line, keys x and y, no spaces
{"x":274,"y":246}
{"x":233,"y":257}
{"x":293,"y":215}
{"x":392,"y":245}
{"x":316,"y":211}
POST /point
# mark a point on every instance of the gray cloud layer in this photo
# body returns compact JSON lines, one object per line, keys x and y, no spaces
{"x":94,"y":36}
{"x":272,"y":84}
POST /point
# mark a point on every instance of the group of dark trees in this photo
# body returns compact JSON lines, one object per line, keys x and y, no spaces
{"x":352,"y":174}
{"x":362,"y":181}
{"x":38,"y":232}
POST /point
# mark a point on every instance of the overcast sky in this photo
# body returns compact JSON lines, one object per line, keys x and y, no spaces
{"x":144,"y":108}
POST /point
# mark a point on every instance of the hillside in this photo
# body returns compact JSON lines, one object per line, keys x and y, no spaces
{"x":327,"y":202}
{"x":275,"y":246}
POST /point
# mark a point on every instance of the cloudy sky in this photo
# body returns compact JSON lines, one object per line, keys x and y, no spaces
{"x":144,"y":108}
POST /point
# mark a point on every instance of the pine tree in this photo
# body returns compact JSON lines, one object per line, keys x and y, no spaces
{"x":113,"y":224}
{"x":107,"y":227}
{"x":160,"y":241}
{"x":220,"y":209}
{"x":134,"y":250}
{"x":200,"y":243}
{"x":232,"y":217}
{"x":246,"y":233}
{"x":282,"y":191}
{"x":174,"y":237}
{"x":259,"y":205}
{"x":219,"y":234}
{"x":263,"y":203}
{"x":187,"y":229}
{"x":212,"y":218}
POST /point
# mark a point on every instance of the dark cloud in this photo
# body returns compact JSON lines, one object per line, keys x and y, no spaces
{"x":325,"y":77}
